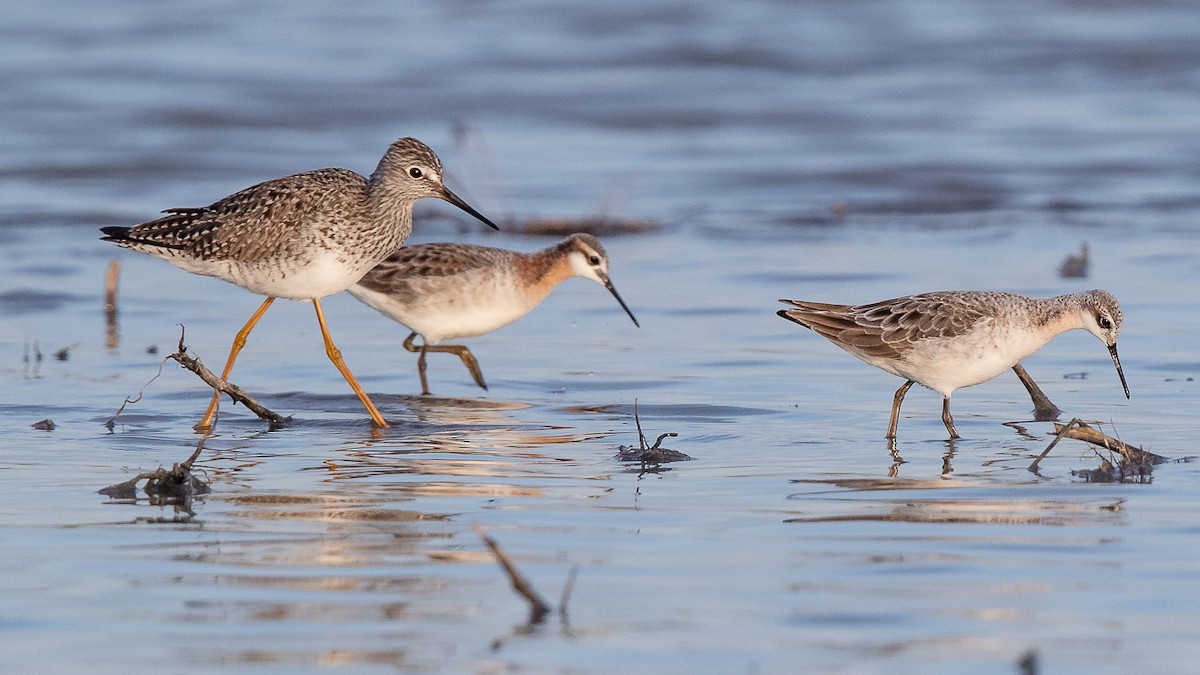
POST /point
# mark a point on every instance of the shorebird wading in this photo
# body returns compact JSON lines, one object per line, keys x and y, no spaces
{"x":300,"y":237}
{"x":951,"y":339}
{"x":446,"y":291}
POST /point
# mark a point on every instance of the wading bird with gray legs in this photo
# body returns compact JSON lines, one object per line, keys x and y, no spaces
{"x":448,"y":290}
{"x":951,"y":339}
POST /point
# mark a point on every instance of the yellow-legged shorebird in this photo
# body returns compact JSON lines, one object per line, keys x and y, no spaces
{"x":300,"y":237}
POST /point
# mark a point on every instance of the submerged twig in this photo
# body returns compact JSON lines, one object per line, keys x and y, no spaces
{"x":65,"y":353}
{"x":1033,"y":468}
{"x":1134,"y":460}
{"x":234,"y":392}
{"x":650,"y":456}
{"x":177,"y":485}
{"x":1029,"y":663}
{"x":566,"y":592}
{"x":538,"y":608}
{"x":113,"y":420}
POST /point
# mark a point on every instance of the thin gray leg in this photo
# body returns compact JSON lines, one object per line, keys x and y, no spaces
{"x":1043,"y":409}
{"x":947,"y":419}
{"x":896,"y":408}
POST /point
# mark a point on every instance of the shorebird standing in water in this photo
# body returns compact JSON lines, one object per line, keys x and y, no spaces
{"x":300,"y":237}
{"x":443,"y":290}
{"x":952,"y":339}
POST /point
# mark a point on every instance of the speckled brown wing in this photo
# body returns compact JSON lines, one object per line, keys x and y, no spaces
{"x":236,"y":227}
{"x":400,"y":273}
{"x":887,"y":329}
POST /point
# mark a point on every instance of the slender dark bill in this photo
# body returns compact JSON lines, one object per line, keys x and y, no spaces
{"x":1112,"y":349}
{"x":613,"y":290}
{"x":457,"y":201}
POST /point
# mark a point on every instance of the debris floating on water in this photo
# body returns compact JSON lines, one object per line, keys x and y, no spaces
{"x":649,"y":456}
{"x":1134,"y":462}
{"x":64,"y":354}
{"x":177,"y":485}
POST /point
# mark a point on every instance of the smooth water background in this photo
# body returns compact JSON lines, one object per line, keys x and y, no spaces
{"x":971,"y":144}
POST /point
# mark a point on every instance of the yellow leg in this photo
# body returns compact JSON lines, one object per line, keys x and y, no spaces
{"x":335,"y":355}
{"x":239,"y":341}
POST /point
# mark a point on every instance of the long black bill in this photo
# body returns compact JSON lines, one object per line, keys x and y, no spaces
{"x":613,"y":290}
{"x":1112,"y":350}
{"x":457,"y":201}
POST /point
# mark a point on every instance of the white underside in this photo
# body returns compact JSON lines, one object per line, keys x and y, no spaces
{"x":946,"y":364}
{"x":322,"y":275}
{"x":439,"y":317}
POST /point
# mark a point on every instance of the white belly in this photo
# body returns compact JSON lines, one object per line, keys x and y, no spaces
{"x":442,"y":314}
{"x":946,"y":364}
{"x":321,"y":275}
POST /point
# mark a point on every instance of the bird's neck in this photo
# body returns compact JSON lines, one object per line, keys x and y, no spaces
{"x":543,"y":270}
{"x":1057,"y":315}
{"x":388,"y":209}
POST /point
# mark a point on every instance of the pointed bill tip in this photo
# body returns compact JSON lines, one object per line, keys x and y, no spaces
{"x":1112,"y":350}
{"x":612,"y":289}
{"x":458,"y":201}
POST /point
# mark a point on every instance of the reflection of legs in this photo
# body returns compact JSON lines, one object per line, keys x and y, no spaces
{"x":896,"y":408}
{"x":897,"y":460}
{"x":335,"y":355}
{"x":1043,"y":409}
{"x":239,"y":341}
{"x":461,"y":351}
{"x":947,"y":468}
{"x":947,"y":419}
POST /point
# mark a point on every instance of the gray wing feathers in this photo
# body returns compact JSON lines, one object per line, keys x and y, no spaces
{"x":889,"y":328}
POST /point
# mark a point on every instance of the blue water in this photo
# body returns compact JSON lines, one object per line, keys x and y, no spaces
{"x":844,"y":152}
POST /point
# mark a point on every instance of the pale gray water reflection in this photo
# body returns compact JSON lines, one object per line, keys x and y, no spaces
{"x":911,"y":507}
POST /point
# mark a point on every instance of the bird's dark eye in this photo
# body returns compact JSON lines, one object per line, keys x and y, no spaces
{"x":1105,"y":322}
{"x":415,"y":172}
{"x":594,"y":260}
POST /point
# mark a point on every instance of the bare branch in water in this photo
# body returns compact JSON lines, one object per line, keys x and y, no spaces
{"x":234,"y":392}
{"x":1134,"y":460}
{"x":538,"y":609}
{"x":113,"y":420}
{"x":177,"y":485}
{"x":651,"y":457}
{"x":566,"y":592}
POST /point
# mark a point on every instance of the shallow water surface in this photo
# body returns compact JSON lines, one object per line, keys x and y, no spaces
{"x":844,"y":153}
